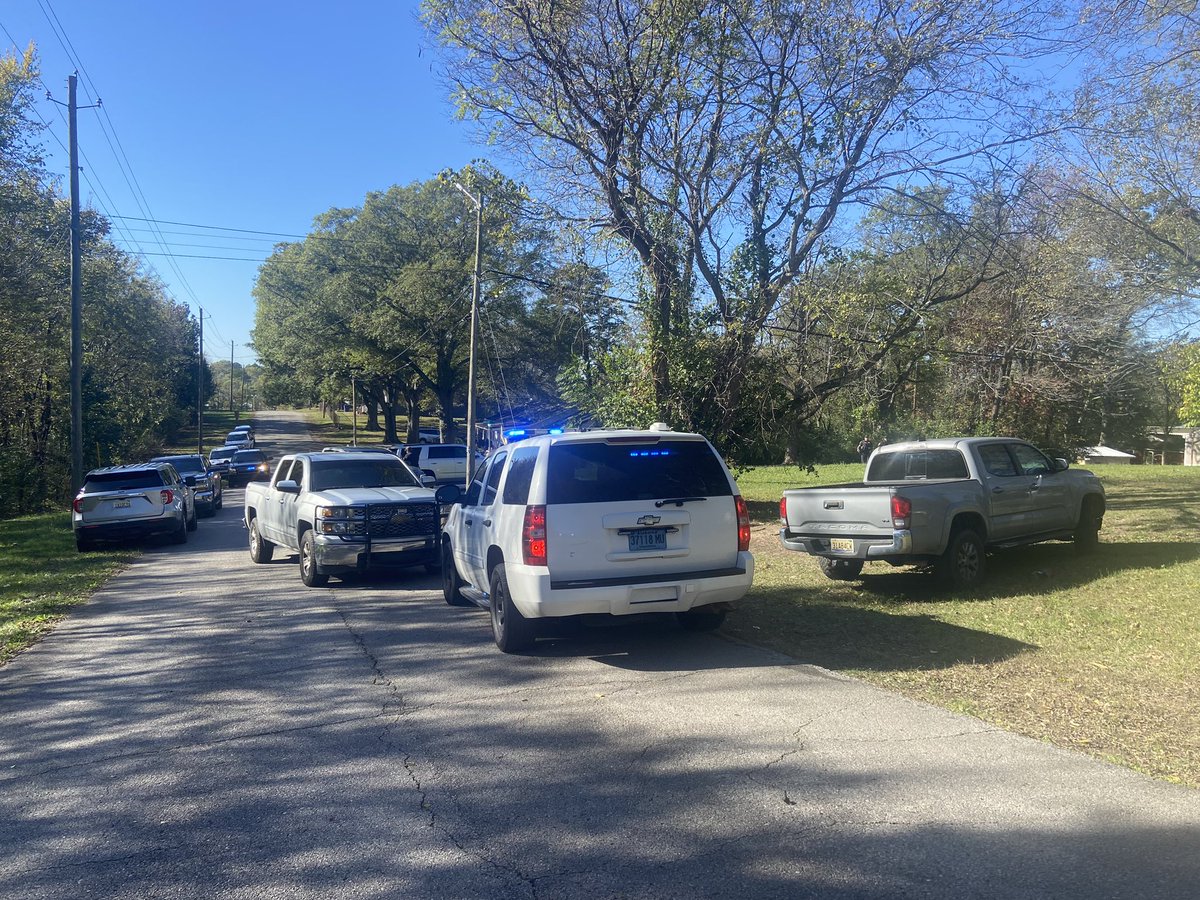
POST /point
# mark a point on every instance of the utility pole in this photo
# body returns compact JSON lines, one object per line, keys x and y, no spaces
{"x":200,"y":389}
{"x":239,"y":412}
{"x":76,"y":284}
{"x":354,"y":409}
{"x":478,"y":204}
{"x":76,"y":297}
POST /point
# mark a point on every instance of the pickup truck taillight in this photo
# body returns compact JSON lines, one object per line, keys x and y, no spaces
{"x":533,"y":536}
{"x":168,"y":497}
{"x":783,"y":511}
{"x":743,"y":520}
{"x":901,"y":512}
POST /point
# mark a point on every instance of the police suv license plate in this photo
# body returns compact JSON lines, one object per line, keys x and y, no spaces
{"x":647,"y":539}
{"x":841,"y":545}
{"x":120,"y":504}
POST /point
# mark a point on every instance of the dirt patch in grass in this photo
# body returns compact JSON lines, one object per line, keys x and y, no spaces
{"x":1097,"y":652}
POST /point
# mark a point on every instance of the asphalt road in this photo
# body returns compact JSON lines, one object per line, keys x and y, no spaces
{"x":209,"y":728}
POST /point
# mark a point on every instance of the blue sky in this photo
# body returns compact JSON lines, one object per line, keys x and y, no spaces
{"x":255,"y":116}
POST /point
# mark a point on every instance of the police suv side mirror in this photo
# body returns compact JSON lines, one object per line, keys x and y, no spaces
{"x":448,"y":494}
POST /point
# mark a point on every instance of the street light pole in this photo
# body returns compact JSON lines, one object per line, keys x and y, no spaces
{"x":478,"y":204}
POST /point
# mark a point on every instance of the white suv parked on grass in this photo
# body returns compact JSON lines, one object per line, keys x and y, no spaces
{"x":615,"y":522}
{"x":445,"y":462}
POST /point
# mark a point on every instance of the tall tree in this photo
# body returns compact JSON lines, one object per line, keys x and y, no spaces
{"x":720,"y":140}
{"x":384,"y":290}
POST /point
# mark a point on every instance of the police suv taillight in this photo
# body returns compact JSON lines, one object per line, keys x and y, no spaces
{"x":743,"y":522}
{"x":533,"y":536}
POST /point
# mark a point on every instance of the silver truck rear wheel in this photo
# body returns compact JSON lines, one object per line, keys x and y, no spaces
{"x":962,"y":565}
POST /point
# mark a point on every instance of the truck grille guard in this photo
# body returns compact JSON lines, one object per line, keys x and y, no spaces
{"x":386,"y":521}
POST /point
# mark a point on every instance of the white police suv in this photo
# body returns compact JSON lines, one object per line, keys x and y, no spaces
{"x":610,"y":522}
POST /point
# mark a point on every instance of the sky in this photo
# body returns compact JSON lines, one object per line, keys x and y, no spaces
{"x":257,"y":116}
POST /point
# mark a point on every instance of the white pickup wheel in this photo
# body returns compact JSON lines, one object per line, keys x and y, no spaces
{"x":261,"y":550}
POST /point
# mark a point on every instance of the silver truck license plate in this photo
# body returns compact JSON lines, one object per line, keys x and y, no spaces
{"x":841,"y":545}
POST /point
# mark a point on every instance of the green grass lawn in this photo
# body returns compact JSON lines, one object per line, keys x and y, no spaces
{"x":42,"y":576}
{"x":1099,"y":653}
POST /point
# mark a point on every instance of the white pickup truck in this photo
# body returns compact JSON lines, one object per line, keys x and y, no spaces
{"x":943,"y":503}
{"x":344,"y":513}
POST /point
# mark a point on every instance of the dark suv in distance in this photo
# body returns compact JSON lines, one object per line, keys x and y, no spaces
{"x":204,"y":480}
{"x":249,"y":465}
{"x":133,"y":501}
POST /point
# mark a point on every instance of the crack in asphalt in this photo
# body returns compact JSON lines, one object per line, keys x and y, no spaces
{"x":94,"y":861}
{"x":391,"y":720}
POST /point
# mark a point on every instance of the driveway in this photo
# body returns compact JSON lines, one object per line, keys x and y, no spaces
{"x":207,"y":728}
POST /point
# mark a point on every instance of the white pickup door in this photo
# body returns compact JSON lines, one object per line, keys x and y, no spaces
{"x":277,"y":513}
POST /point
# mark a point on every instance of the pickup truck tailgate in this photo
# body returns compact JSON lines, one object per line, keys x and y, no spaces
{"x":840,"y":509}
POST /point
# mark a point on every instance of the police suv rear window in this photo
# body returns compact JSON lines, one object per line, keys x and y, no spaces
{"x":909,"y":465}
{"x":520,"y":475}
{"x":121,"y":481}
{"x":655,"y":470}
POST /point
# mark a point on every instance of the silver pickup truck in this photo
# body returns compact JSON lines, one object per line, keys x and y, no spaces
{"x":344,"y":513}
{"x":943,"y":503}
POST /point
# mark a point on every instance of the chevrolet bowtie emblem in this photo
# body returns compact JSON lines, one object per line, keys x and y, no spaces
{"x":649,"y":520}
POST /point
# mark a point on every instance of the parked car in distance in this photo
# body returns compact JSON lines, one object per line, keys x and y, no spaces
{"x":249,"y":465}
{"x":445,"y":462}
{"x":239,"y":440}
{"x":345,"y":512}
{"x":248,"y":431}
{"x":205,"y":482}
{"x":221,"y":459}
{"x":132,"y":501}
{"x":600,"y":522}
{"x":943,"y":504}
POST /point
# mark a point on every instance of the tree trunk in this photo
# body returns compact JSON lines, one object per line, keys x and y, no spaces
{"x":389,"y":416}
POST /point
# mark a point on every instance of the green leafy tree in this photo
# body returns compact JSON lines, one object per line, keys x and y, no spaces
{"x":139,"y":363}
{"x":719,"y":142}
{"x":383,"y":292}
